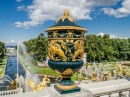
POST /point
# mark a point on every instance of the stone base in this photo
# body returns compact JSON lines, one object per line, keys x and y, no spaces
{"x":77,"y":89}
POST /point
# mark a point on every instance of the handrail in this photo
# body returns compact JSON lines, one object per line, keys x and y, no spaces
{"x":112,"y":92}
{"x":9,"y":92}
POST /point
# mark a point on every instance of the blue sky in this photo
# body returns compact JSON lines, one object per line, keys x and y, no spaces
{"x":21,"y":20}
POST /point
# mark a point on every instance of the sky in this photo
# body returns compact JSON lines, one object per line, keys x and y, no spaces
{"x":22,"y":20}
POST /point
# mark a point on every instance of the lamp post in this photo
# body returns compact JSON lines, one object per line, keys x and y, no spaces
{"x":66,"y":51}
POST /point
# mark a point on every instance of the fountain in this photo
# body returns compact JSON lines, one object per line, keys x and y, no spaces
{"x":11,"y":72}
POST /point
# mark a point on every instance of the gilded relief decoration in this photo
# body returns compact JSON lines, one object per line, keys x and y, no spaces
{"x":66,"y":50}
{"x":67,"y":34}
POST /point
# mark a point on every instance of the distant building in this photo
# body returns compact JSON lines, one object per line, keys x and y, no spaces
{"x":10,"y":47}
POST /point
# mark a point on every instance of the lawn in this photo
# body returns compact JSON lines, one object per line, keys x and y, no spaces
{"x":3,"y":62}
{"x":37,"y":69}
{"x":46,"y":70}
{"x":43,"y":70}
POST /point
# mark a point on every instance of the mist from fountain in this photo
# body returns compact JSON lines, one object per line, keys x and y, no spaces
{"x":28,"y":61}
{"x":27,"y":58}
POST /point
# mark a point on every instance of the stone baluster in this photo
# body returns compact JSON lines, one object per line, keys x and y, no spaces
{"x":109,"y":95}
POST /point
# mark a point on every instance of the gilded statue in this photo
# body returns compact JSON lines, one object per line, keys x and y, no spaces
{"x":94,"y":77}
{"x":35,"y":87}
{"x":44,"y":82}
{"x":13,"y":85}
{"x":125,"y":73}
{"x":106,"y":76}
{"x":119,"y":70}
{"x":80,"y":77}
{"x":53,"y":49}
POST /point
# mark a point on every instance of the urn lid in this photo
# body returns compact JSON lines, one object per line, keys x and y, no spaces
{"x":65,"y":22}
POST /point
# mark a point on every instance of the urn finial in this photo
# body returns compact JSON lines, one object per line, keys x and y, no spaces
{"x":66,"y":12}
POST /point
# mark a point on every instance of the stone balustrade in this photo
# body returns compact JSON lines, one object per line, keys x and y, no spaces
{"x":112,"y":88}
{"x":11,"y":92}
{"x":109,"y":88}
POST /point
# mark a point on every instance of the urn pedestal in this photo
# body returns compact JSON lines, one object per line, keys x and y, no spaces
{"x":66,"y":51}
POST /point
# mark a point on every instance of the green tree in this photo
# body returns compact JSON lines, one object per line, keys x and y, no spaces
{"x":38,"y":47}
{"x":2,"y":50}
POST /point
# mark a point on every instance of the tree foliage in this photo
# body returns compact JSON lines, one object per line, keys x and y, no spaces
{"x":103,"y":47}
{"x":38,"y":47}
{"x":2,"y":50}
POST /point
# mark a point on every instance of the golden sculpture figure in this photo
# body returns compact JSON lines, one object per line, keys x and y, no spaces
{"x":70,"y":33}
{"x":78,"y":46}
{"x":80,"y":77}
{"x":55,"y":34}
{"x":105,"y":76}
{"x":13,"y":85}
{"x":55,"y":48}
{"x":94,"y":77}
{"x":119,"y":70}
{"x":35,"y":87}
{"x":125,"y":73}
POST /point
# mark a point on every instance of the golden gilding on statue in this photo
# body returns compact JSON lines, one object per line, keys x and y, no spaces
{"x":35,"y":87}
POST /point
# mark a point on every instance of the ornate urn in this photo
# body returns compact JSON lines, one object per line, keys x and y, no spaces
{"x":66,"y":51}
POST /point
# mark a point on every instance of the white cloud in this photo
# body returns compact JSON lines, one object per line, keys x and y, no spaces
{"x":43,"y":10}
{"x":12,"y":41}
{"x":1,"y":40}
{"x":119,"y":12}
{"x":22,"y":7}
{"x":19,"y":0}
{"x":111,"y":36}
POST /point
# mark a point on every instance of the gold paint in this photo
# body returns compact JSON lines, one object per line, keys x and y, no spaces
{"x":122,"y":72}
{"x":35,"y":87}
{"x":66,"y":73}
{"x":53,"y":49}
{"x":13,"y":85}
{"x":82,"y":35}
{"x":94,"y":77}
{"x":119,"y":70}
{"x":66,"y":87}
{"x":55,"y":34}
{"x":80,"y":77}
{"x":125,"y":73}
{"x":66,"y":15}
{"x":65,"y":38}
{"x":79,"y":50}
{"x":70,"y":33}
{"x":66,"y":28}
{"x":105,"y":75}
{"x":69,"y":71}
